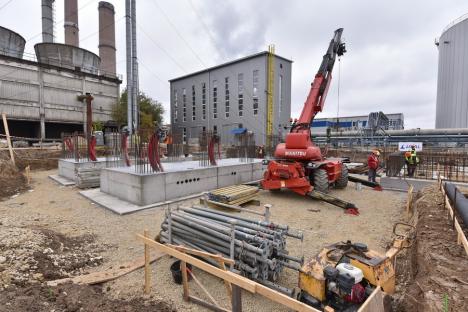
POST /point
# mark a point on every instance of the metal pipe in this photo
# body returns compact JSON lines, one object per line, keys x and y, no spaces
{"x":128,"y":39}
{"x":135,"y":81}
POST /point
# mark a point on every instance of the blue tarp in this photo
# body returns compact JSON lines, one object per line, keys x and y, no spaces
{"x":238,"y":130}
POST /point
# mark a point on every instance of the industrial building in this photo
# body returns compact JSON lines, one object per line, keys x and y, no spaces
{"x":233,"y":95}
{"x":40,"y":94}
{"x":320,"y":125}
{"x":452,"y":89}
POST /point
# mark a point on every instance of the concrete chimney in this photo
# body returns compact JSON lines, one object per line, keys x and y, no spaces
{"x":47,"y":21}
{"x":71,"y":23}
{"x":107,"y":37}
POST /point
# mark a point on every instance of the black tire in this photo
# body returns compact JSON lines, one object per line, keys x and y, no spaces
{"x":321,"y":180}
{"x":342,"y":181}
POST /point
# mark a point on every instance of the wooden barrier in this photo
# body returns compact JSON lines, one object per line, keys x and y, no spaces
{"x":238,"y":282}
{"x":461,"y":238}
{"x":409,"y":203}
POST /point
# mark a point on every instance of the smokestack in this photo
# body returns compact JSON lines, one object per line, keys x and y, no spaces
{"x":47,"y":21}
{"x":107,"y":37}
{"x":71,"y":23}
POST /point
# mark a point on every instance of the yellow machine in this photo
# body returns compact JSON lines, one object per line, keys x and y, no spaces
{"x":344,"y":274}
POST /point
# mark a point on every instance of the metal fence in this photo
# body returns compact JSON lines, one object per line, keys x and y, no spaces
{"x":452,"y":165}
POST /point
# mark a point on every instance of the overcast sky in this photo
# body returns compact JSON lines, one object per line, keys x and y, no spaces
{"x":391,"y":64}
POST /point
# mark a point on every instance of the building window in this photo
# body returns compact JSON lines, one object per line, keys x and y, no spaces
{"x":240,"y":94}
{"x":193,"y":103}
{"x":280,"y":94}
{"x":176,"y":106}
{"x":184,"y":105}
{"x":226,"y":96}
{"x":203,"y":99}
{"x":184,"y":135}
{"x":215,"y":99}
{"x":215,"y":129}
{"x":255,"y":92}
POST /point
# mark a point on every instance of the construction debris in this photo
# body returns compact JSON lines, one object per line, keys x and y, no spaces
{"x":258,"y":247}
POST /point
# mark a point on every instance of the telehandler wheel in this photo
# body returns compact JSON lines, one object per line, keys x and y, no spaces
{"x":342,"y":181}
{"x":321,"y":180}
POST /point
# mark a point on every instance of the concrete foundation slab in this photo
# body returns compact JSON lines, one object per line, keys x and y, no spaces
{"x":61,"y":180}
{"x":122,"y":207}
{"x":178,"y":179}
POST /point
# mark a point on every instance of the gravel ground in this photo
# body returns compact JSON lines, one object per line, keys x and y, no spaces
{"x":63,"y":210}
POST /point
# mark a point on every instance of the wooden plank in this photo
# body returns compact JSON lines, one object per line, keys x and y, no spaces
{"x":7,"y":132}
{"x":201,"y":253}
{"x":105,"y":276}
{"x":283,"y":299}
{"x":147,"y":266}
{"x":226,"y":275}
{"x":409,"y":202}
{"x":183,"y":268}
{"x":207,"y":305}
{"x":461,"y":236}
{"x":374,"y":303}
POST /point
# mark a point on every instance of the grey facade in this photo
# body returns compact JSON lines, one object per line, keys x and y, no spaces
{"x":229,"y":96}
{"x":452,"y":84}
{"x":41,"y":99}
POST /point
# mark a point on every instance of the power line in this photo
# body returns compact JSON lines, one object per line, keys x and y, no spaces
{"x":6,"y":3}
{"x":161,"y":48}
{"x":178,"y":33}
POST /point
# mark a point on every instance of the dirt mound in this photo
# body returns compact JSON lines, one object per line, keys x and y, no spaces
{"x":72,"y":298}
{"x":30,"y":256}
{"x":12,"y":181}
{"x":433,"y":273}
{"x":45,"y":159}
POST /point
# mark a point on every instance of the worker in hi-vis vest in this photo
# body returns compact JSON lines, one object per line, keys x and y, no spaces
{"x":412,"y":161}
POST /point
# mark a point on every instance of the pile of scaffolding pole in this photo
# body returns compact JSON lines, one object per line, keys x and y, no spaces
{"x":258,"y":247}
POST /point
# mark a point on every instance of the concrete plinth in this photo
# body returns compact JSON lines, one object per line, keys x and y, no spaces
{"x":178,"y":180}
{"x":68,"y":168}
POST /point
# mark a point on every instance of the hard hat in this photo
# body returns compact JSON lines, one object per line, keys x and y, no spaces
{"x":408,"y":154}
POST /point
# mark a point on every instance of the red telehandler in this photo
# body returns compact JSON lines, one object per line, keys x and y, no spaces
{"x":299,"y":164}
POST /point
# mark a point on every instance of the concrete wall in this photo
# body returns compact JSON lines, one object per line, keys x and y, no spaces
{"x":35,"y":93}
{"x":452,"y":89}
{"x":146,"y":189}
{"x":224,"y":125}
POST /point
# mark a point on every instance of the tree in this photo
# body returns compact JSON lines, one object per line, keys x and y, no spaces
{"x":151,"y":111}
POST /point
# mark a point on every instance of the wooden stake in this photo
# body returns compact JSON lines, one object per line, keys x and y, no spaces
{"x":222,"y":265}
{"x":7,"y":132}
{"x":183,"y":268}
{"x":236,"y":299}
{"x":28,"y":174}
{"x":147,"y":265}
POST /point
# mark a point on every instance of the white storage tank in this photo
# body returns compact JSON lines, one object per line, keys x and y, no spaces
{"x":452,"y":84}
